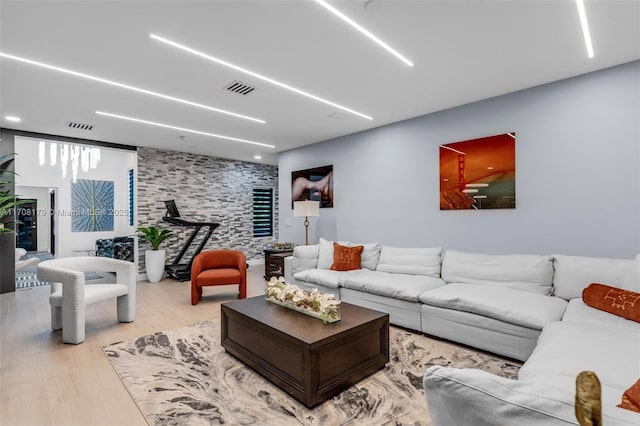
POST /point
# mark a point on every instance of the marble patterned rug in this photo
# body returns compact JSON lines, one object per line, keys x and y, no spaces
{"x":184,"y":377}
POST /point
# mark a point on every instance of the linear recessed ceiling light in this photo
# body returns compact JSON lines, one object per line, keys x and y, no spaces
{"x":12,"y":118}
{"x":585,"y":27}
{"x":126,"y":86}
{"x":256,"y":75}
{"x":182,"y":129}
{"x":358,"y":27}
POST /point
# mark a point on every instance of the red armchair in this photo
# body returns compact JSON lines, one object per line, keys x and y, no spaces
{"x":218,"y":267}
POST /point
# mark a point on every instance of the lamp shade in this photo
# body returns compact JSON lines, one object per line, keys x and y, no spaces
{"x":306,"y":208}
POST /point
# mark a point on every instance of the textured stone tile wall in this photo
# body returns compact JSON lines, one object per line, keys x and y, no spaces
{"x":205,"y":189}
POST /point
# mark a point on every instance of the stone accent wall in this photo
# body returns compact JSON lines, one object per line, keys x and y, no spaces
{"x":205,"y":189}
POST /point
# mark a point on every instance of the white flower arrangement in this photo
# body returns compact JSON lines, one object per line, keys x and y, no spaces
{"x":320,"y":305}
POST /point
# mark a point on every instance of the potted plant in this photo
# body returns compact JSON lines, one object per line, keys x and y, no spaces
{"x":154,"y":258}
{"x":8,"y":202}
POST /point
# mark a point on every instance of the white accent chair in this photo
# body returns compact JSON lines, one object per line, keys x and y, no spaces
{"x":69,"y":294}
{"x":22,"y":264}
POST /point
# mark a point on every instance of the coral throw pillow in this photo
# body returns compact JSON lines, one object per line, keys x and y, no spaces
{"x":631,"y":398}
{"x":614,"y":300}
{"x":346,"y":258}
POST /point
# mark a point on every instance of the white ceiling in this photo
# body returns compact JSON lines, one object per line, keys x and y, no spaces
{"x":463,"y":51}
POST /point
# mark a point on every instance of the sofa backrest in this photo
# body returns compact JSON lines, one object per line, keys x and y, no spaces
{"x":304,"y":257}
{"x":369,"y":255}
{"x":528,"y":272}
{"x":574,"y":273}
{"x":413,"y":261}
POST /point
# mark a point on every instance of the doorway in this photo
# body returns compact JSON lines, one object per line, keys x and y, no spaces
{"x":27,"y":225}
{"x":52,"y":227}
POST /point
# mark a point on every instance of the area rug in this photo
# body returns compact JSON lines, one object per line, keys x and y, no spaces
{"x":184,"y":377}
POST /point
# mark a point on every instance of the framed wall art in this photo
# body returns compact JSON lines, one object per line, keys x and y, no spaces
{"x":313,"y":184}
{"x":92,"y":205}
{"x":479,"y":174}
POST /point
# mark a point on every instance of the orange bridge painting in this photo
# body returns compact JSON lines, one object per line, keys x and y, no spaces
{"x":479,"y":174}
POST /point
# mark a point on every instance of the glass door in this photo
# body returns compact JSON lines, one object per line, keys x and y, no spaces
{"x":27,"y":226}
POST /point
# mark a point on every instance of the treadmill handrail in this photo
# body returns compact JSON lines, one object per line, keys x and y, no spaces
{"x":182,"y":222}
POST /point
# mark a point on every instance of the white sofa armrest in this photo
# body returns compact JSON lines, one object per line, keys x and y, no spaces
{"x":288,"y":269}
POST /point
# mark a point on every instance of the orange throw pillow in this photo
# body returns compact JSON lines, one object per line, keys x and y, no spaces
{"x":346,"y":258}
{"x":617,"y":301}
{"x":631,"y":398}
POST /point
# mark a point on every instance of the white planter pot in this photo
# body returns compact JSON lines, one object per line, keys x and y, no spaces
{"x":154,"y":264}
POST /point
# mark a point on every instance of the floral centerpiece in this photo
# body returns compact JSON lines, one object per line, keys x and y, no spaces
{"x":319,"y":305}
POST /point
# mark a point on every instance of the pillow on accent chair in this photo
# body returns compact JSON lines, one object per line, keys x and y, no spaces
{"x":346,"y":258}
{"x":614,"y":300}
{"x":631,"y":398}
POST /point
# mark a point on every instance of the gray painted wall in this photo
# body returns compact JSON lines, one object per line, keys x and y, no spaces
{"x":204,"y":189}
{"x":577,"y":174}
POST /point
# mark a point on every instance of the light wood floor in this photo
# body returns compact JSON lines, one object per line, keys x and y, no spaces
{"x":46,"y":382}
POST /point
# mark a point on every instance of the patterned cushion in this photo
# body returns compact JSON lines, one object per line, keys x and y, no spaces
{"x":117,"y":248}
{"x":614,"y":300}
{"x":631,"y":398}
{"x":346,"y":258}
{"x":104,"y":247}
{"x":123,"y":251}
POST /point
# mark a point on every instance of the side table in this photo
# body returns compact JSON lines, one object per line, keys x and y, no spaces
{"x":274,"y":263}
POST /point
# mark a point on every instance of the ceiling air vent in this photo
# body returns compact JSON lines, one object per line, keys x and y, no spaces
{"x":79,"y":126}
{"x":239,"y":87}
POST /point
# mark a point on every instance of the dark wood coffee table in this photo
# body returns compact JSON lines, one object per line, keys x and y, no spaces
{"x":309,"y":360}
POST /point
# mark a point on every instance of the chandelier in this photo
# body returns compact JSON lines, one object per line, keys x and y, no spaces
{"x":81,"y":157}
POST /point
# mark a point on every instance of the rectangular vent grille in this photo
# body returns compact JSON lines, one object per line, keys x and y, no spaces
{"x":79,"y":126}
{"x":239,"y":88}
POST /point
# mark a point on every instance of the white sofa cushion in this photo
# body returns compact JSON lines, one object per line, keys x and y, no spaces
{"x":567,"y":348}
{"x":304,"y":257}
{"x":413,"y":261}
{"x":574,"y":273}
{"x":611,"y":395}
{"x":470,"y":397}
{"x":370,"y":255}
{"x":502,"y":303}
{"x":93,"y":293}
{"x":397,"y":286}
{"x":325,"y":277}
{"x":528,"y":272}
{"x":325,"y":253}
{"x":579,"y":312}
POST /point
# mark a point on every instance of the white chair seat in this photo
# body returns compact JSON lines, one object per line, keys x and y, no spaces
{"x":93,"y":293}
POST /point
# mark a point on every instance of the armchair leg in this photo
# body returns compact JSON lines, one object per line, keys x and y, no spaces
{"x":196,"y":294}
{"x":126,"y":306}
{"x":73,"y":325}
{"x":56,"y":318}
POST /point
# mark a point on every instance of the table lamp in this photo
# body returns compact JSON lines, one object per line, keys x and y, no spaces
{"x":307,"y":209}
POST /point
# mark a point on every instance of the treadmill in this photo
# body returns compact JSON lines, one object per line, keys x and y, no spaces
{"x":177,"y":270}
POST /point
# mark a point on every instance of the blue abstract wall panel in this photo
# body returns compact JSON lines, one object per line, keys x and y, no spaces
{"x":92,"y":205}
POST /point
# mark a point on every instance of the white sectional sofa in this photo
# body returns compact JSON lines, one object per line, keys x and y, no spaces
{"x":526,"y":307}
{"x":391,"y":279}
